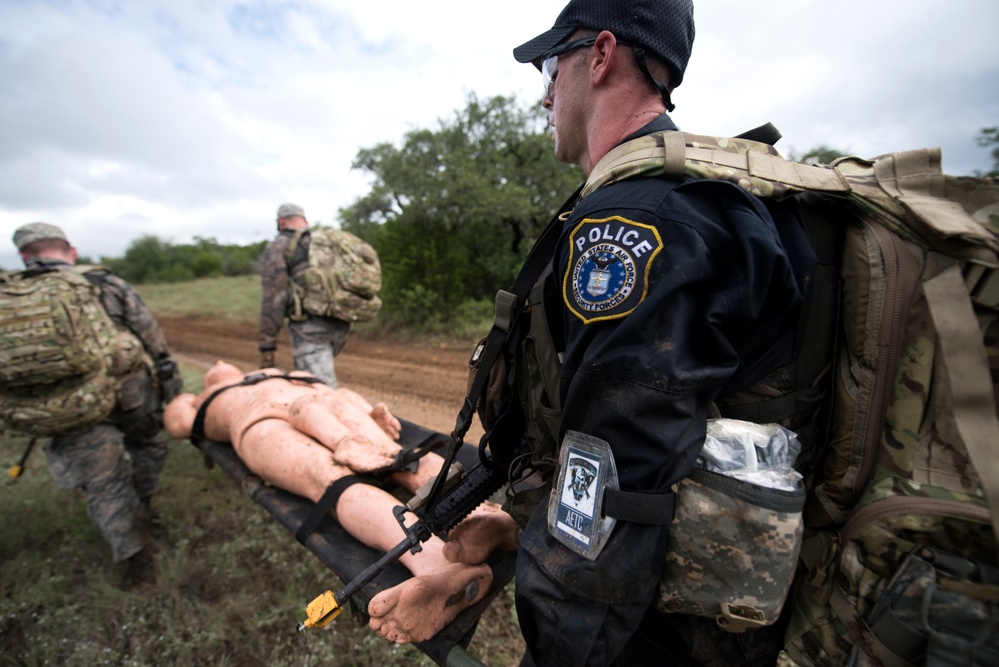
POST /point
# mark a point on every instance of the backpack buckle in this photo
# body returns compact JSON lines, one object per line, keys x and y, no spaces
{"x":739,"y":617}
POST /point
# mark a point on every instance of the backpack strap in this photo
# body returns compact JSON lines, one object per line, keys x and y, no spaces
{"x":293,"y":242}
{"x":297,"y":313}
{"x":968,"y":377}
{"x":408,"y":458}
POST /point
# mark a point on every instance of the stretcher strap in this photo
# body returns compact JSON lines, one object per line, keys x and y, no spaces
{"x":409,"y":458}
{"x":198,"y":427}
{"x":327,"y":502}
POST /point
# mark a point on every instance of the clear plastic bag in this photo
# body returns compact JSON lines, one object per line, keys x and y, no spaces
{"x":761,"y":454}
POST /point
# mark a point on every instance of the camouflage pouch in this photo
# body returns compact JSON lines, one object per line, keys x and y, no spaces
{"x":64,"y":406}
{"x":915,"y":583}
{"x":733,"y":548}
{"x":940,"y":609}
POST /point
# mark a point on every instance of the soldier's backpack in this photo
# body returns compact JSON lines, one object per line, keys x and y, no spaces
{"x":342,"y":279}
{"x":899,"y":565}
{"x":61,"y":356}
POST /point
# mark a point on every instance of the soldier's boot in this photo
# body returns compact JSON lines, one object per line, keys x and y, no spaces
{"x":139,"y":571}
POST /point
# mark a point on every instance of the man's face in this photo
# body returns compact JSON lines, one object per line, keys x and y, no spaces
{"x":291,"y":222}
{"x":566,"y":105}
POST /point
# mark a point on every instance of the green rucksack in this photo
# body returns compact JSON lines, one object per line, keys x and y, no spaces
{"x":61,"y":355}
{"x":899,"y":563}
{"x":342,"y":279}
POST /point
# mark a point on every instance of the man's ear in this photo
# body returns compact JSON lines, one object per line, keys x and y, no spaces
{"x":602,"y":58}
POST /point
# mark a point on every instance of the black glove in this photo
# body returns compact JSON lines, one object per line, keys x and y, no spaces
{"x":267,"y":359}
{"x":168,"y":375}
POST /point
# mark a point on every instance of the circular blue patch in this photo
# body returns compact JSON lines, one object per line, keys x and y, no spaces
{"x":608,"y":267}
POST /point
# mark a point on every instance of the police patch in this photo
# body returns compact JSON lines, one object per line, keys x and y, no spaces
{"x":609,"y":267}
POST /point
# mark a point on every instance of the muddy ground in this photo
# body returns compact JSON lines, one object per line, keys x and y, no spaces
{"x":422,"y":383}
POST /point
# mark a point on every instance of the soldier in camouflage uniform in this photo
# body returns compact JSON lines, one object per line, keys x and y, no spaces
{"x":665,"y":296}
{"x":117,"y":462}
{"x":315,"y":340}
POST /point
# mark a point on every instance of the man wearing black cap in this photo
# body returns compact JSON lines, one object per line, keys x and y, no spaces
{"x":665,"y":296}
{"x":315,"y":340}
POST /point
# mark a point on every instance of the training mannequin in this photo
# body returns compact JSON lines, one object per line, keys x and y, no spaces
{"x":302,"y":436}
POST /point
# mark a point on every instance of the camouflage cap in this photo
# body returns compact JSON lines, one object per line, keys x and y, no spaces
{"x":36,"y":231}
{"x":662,"y":27}
{"x":288,"y":210}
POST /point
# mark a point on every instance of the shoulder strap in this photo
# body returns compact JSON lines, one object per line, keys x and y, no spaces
{"x":507,"y":311}
{"x":289,"y":252}
{"x":968,"y":378}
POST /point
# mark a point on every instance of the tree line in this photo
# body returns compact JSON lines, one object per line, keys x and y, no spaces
{"x":150,"y":259}
{"x":452,"y":212}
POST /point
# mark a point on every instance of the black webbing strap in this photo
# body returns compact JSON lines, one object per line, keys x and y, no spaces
{"x":409,"y":458}
{"x":328,"y":501}
{"x":198,"y":427}
{"x":656,"y":508}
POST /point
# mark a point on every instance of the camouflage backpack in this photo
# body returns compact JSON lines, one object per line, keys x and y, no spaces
{"x":899,"y":564}
{"x":342,"y":279}
{"x":61,"y":355}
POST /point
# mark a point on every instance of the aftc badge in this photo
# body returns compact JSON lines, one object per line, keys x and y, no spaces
{"x":609,"y":267}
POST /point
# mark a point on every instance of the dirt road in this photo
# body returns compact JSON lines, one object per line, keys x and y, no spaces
{"x":424,"y":384}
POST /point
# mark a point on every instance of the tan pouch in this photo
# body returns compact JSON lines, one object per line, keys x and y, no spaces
{"x":733,"y":549}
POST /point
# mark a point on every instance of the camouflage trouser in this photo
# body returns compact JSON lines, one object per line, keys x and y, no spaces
{"x":116,"y":464}
{"x":314,"y":343}
{"x":140,"y":418}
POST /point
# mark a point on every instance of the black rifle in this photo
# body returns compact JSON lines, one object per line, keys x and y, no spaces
{"x":454,"y":493}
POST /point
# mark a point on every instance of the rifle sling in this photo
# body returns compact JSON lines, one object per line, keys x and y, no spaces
{"x":508,"y":308}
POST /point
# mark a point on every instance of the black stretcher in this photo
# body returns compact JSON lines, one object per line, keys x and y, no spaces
{"x":347,"y":557}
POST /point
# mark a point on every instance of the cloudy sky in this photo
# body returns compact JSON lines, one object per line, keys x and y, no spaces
{"x":184,"y":118}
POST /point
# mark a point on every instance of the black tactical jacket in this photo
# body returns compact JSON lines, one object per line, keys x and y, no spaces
{"x":703,"y":301}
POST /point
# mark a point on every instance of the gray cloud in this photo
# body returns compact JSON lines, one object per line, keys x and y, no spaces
{"x":186,"y":119}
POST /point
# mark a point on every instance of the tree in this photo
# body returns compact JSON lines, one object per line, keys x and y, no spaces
{"x":453,"y":211}
{"x":989,"y":136}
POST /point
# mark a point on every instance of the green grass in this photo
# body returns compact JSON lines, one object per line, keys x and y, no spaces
{"x":236,"y":297}
{"x":232,"y":583}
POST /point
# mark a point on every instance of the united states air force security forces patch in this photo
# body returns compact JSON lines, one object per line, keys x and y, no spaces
{"x":575,"y":506}
{"x":609,"y":267}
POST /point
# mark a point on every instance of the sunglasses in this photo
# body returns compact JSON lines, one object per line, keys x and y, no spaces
{"x":549,"y":67}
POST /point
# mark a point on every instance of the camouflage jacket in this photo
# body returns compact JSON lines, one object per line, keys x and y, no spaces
{"x":276,"y":277}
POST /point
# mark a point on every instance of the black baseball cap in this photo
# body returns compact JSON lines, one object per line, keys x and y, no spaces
{"x":662,"y":27}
